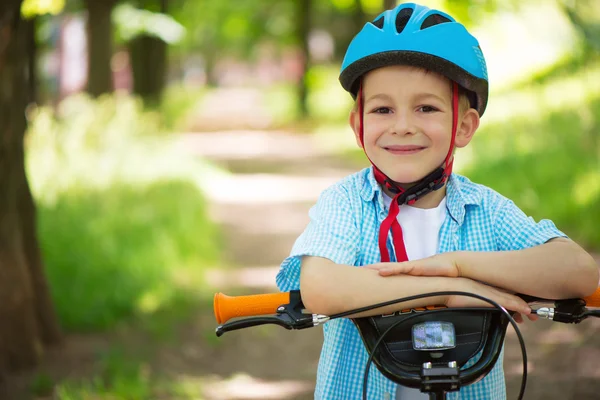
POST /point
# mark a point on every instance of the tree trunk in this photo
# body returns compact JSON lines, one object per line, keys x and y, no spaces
{"x":32,"y":60}
{"x":26,"y":314}
{"x":303,"y":29}
{"x":100,"y":46}
{"x":149,"y":64}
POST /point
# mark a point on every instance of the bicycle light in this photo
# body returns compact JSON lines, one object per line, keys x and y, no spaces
{"x":433,"y":335}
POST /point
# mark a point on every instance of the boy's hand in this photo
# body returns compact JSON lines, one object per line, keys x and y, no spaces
{"x":444,"y":264}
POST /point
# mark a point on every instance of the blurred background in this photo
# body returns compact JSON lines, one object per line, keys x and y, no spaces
{"x":154,"y":152}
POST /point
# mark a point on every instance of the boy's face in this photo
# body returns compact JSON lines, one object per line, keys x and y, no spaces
{"x":408,"y":121}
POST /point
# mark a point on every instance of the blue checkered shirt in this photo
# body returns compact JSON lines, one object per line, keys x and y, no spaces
{"x":344,"y":226}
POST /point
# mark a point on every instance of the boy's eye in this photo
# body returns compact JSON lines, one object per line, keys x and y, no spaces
{"x":427,"y":109}
{"x":382,"y":110}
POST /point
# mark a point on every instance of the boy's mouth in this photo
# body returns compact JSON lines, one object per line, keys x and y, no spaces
{"x":403,"y":149}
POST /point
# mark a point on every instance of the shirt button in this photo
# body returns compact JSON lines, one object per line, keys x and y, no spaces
{"x":386,"y":396}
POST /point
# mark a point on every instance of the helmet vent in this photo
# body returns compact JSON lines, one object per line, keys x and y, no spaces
{"x":402,"y":19}
{"x":434,"y":19}
{"x":379,"y":22}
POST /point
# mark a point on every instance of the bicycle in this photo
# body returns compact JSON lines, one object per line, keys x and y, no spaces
{"x":424,"y":348}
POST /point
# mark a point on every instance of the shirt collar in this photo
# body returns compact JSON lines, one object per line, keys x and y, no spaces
{"x":370,"y":186}
{"x":460,"y":193}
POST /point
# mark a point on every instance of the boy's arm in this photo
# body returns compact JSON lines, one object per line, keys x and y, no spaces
{"x":329,"y":288}
{"x":556,"y":270}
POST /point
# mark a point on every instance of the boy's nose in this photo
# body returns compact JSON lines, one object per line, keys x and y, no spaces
{"x":404,"y":124}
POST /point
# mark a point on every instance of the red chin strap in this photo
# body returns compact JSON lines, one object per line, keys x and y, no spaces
{"x":434,"y":181}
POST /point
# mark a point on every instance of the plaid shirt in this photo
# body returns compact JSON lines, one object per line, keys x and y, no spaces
{"x":344,"y":226}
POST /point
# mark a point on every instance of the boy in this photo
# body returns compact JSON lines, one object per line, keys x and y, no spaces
{"x":420,"y":84}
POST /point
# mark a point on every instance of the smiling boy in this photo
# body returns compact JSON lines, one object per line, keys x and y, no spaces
{"x":420,"y":84}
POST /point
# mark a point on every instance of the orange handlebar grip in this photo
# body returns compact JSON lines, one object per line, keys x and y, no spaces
{"x":227,"y":307}
{"x":593,"y":300}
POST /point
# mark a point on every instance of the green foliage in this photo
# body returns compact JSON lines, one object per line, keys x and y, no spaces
{"x":31,"y":8}
{"x":234,"y":29}
{"x":549,"y":167}
{"x":178,"y":107}
{"x":42,"y":385}
{"x":472,"y":12}
{"x":122,"y":251}
{"x":327,"y":101}
{"x":131,"y":22}
{"x":123,"y":227}
{"x":585,"y":17}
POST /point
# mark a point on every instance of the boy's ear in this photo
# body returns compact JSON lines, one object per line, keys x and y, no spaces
{"x":467,"y":128}
{"x":354,"y":122}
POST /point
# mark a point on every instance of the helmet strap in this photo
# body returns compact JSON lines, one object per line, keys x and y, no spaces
{"x":434,"y":181}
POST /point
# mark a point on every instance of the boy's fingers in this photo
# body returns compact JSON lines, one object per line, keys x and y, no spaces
{"x":518,"y":318}
{"x":533,"y":317}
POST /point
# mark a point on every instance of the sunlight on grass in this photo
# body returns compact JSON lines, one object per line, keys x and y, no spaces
{"x":120,"y":378}
{"x":586,"y":188}
{"x":152,"y":300}
{"x":179,"y":105}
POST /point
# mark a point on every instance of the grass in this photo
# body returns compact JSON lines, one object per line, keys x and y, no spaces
{"x":178,"y":106}
{"x":120,"y":377}
{"x":123,"y":226}
{"x":121,"y":251}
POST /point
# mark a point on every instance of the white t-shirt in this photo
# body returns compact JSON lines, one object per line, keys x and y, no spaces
{"x":420,"y":228}
{"x":420,"y":231}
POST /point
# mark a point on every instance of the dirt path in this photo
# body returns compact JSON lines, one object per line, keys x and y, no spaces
{"x":279,"y":177}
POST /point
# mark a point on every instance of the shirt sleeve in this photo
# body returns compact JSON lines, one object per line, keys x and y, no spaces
{"x":332,"y":233}
{"x":515,"y":230}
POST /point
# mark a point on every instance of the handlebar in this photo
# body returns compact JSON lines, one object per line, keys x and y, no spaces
{"x":287,"y":310}
{"x":227,"y":307}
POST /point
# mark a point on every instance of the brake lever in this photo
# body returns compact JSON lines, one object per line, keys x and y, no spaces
{"x":289,"y":316}
{"x":254,"y":321}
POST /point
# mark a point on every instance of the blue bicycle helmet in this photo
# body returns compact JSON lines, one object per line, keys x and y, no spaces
{"x":411,"y":34}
